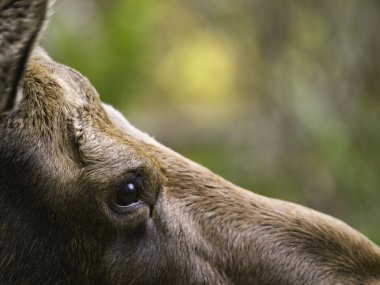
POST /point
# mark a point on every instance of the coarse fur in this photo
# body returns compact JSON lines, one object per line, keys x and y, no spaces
{"x":63,"y":154}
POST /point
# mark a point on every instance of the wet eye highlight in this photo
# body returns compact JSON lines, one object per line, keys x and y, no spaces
{"x":128,"y":196}
{"x":127,"y":193}
{"x":133,"y":192}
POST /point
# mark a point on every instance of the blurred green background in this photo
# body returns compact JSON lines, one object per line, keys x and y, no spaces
{"x":281,"y":97}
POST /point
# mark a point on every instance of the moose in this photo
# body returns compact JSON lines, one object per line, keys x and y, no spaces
{"x":86,"y":198}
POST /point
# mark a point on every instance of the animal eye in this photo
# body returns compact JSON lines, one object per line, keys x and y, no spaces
{"x":127,"y":193}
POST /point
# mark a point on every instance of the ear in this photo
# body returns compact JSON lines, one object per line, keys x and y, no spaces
{"x":20,"y":24}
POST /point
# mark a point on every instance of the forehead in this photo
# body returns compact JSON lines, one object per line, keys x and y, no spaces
{"x":76,"y":92}
{"x":68,"y":85}
{"x":125,"y":126}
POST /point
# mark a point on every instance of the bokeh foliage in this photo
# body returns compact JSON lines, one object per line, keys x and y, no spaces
{"x":281,"y":97}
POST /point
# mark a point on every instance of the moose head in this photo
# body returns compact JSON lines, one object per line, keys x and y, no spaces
{"x":86,"y":198}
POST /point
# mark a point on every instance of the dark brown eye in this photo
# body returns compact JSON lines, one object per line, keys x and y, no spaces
{"x":127,"y":193}
{"x":129,"y":196}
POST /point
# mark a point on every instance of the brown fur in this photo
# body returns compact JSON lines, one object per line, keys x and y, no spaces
{"x":63,"y":153}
